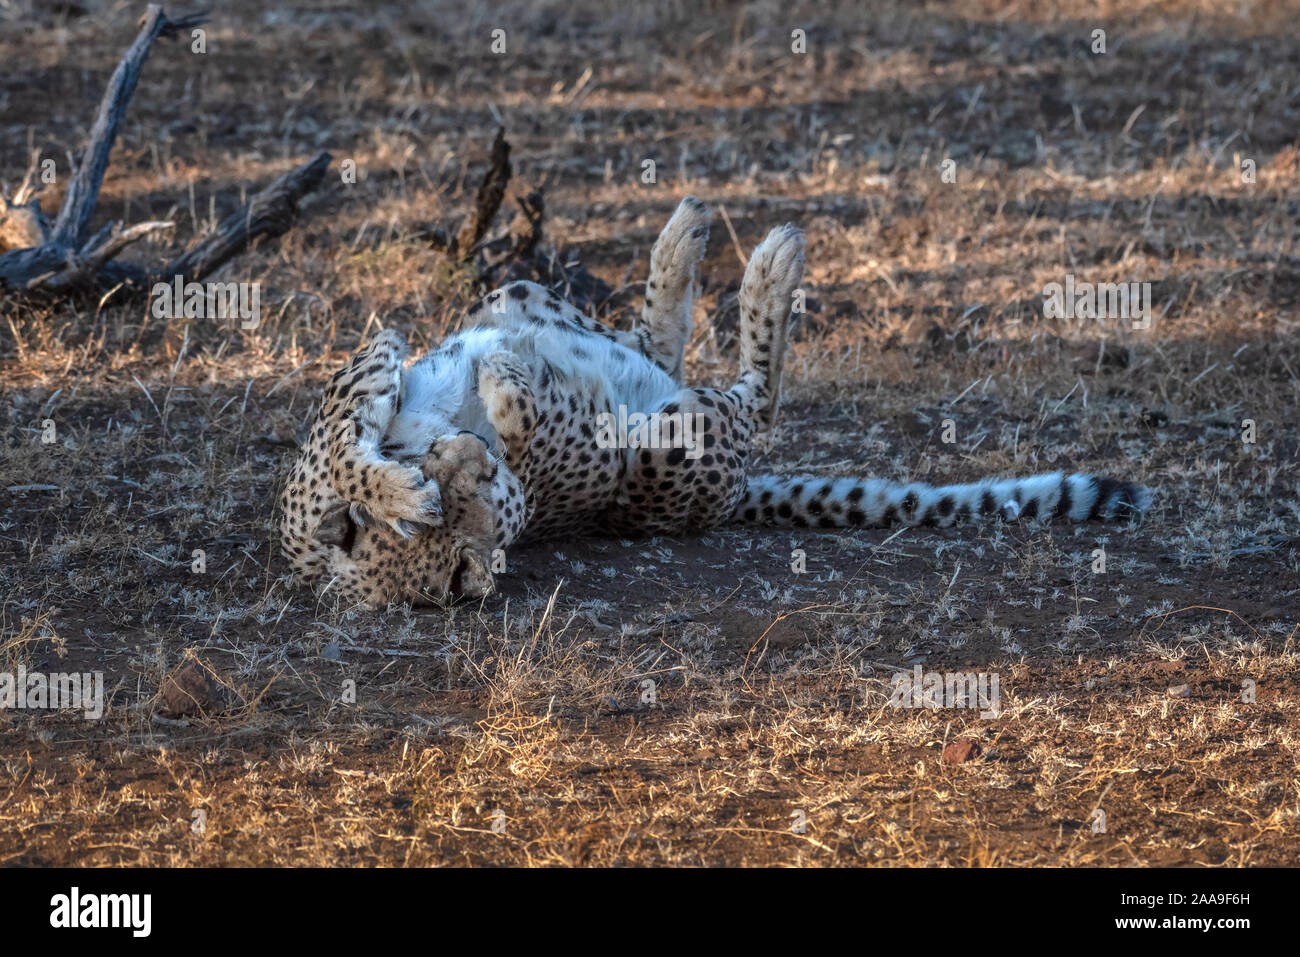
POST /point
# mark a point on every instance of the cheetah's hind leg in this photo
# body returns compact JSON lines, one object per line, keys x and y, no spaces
{"x":665,"y":325}
{"x":766,"y":296}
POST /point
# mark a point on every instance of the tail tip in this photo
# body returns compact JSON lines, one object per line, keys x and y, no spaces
{"x":1142,"y":498}
{"x":1129,"y":500}
{"x":1136,"y":503}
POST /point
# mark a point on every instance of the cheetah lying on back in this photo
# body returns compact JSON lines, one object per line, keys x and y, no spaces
{"x":412,"y":475}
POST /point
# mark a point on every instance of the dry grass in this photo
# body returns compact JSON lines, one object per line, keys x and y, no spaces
{"x":518,"y":731}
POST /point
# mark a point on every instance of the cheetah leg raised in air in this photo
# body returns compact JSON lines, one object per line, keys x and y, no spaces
{"x":766,"y":295}
{"x":693,"y":472}
{"x":665,"y":325}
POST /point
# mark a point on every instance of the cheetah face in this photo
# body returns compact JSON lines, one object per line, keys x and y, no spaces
{"x":372,"y":565}
{"x":368,"y":562}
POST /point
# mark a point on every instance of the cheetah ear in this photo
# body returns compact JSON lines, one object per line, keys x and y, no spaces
{"x":361,"y":515}
{"x":473,"y":579}
{"x":334,"y":526}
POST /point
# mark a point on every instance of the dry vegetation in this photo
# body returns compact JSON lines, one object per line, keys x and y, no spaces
{"x":515,"y":732}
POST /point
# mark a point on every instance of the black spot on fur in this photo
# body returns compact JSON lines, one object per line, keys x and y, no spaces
{"x":1063,"y":503}
{"x":1126,"y":500}
{"x":1106,"y":487}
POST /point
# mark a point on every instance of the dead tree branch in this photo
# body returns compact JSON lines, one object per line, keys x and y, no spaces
{"x":79,"y":203}
{"x":64,"y":259}
{"x":488,"y":200}
{"x":270,"y":213}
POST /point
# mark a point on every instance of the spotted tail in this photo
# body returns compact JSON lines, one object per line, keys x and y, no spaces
{"x":806,"y":502}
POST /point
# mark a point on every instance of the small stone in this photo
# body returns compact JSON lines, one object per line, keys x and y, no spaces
{"x":961,"y":751}
{"x":192,"y":689}
{"x":1180,"y":691}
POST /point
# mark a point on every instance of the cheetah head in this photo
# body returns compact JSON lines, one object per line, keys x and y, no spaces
{"x":366,"y":562}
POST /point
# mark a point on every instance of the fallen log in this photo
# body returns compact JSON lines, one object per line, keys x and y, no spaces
{"x":64,"y":259}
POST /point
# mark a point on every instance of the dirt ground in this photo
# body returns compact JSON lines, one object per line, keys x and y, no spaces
{"x":1148,"y":711}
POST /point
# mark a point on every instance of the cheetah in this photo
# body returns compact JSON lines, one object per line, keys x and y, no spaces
{"x":412,"y":476}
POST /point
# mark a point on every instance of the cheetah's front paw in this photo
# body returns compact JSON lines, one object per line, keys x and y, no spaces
{"x":464,"y":468}
{"x":401,"y":498}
